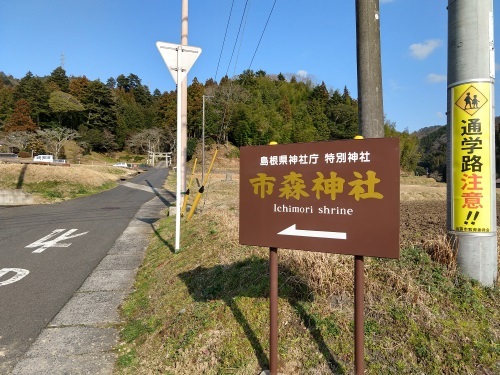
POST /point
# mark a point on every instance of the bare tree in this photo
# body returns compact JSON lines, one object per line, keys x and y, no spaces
{"x":154,"y":139}
{"x":54,"y":139}
{"x":17,"y":139}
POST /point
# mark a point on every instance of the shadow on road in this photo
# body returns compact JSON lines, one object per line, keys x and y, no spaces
{"x":166,"y":202}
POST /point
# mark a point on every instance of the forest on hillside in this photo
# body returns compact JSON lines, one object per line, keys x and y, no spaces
{"x":38,"y":114}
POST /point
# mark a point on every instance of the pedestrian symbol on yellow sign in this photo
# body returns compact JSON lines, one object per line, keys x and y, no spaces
{"x":471,"y":100}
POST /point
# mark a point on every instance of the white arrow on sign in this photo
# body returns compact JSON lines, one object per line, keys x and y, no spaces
{"x":293,"y":231}
{"x":175,"y":55}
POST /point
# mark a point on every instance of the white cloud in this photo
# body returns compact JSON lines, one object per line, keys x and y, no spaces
{"x":441,"y":115}
{"x":436,"y":78}
{"x":302,"y":73}
{"x":395,"y":85}
{"x":420,"y":51}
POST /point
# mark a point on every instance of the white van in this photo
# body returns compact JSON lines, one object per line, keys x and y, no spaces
{"x":44,"y":158}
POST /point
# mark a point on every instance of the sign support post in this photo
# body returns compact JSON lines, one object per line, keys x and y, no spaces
{"x":172,"y":55}
{"x":273,"y":310}
{"x":359,"y":314}
{"x":178,"y":193}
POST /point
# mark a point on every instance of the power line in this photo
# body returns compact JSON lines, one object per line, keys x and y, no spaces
{"x":263,"y":31}
{"x":224,"y":40}
{"x":237,"y":36}
{"x":245,"y":16}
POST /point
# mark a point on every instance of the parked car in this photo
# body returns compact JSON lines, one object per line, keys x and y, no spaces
{"x":121,"y":164}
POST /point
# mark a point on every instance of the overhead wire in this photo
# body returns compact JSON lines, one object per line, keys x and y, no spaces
{"x":241,"y":30}
{"x":224,"y":40}
{"x":244,"y":18}
{"x":262,"y":35}
{"x":237,"y":35}
{"x":226,"y":107}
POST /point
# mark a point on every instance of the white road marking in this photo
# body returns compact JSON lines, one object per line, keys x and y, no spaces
{"x":46,"y":242}
{"x":20,"y":273}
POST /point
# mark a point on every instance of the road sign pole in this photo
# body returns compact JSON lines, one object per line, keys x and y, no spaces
{"x":273,"y":310}
{"x":172,"y":55}
{"x":179,"y":154}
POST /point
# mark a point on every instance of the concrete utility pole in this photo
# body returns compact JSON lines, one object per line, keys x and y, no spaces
{"x":371,"y":111}
{"x":183,"y":145}
{"x":471,"y":198}
{"x":371,"y":125}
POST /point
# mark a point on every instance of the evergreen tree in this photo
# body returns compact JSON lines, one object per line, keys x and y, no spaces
{"x":111,"y":83}
{"x":59,"y":78}
{"x":99,"y":106}
{"x":6,"y":102}
{"x":346,"y":96}
{"x":35,"y":91}
{"x":195,"y":108}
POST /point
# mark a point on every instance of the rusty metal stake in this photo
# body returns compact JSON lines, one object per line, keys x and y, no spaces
{"x":359,"y":335}
{"x":273,"y":310}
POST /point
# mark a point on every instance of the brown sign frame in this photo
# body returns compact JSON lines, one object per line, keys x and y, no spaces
{"x":335,"y":197}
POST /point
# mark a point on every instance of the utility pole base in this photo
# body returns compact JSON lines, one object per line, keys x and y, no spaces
{"x":477,"y":257}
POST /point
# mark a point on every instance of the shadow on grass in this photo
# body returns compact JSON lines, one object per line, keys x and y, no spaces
{"x":20,"y":180}
{"x":250,"y":278}
{"x":167,"y":198}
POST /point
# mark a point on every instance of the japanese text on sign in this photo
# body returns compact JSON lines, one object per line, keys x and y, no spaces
{"x":306,"y":159}
{"x":471,"y":158}
{"x":293,"y":186}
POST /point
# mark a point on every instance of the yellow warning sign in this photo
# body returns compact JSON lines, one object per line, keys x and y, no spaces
{"x":471,"y":150}
{"x":471,"y":99}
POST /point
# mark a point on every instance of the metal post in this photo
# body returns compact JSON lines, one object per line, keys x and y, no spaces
{"x":273,"y":310}
{"x":203,"y":143}
{"x":183,"y":144}
{"x":471,"y":130}
{"x":359,"y":315}
{"x":178,"y":193}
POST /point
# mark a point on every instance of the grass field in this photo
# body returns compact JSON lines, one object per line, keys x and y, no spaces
{"x":205,"y":309}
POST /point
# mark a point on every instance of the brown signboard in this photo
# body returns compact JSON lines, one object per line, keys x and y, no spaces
{"x":336,"y":197}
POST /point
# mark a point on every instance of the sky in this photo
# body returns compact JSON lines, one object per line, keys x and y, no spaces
{"x":315,"y":39}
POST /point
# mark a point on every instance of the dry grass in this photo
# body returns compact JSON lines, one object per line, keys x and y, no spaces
{"x":49,"y":184}
{"x":441,"y":250}
{"x":31,"y":173}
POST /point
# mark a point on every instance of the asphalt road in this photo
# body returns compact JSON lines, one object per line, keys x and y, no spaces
{"x":47,"y":252}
